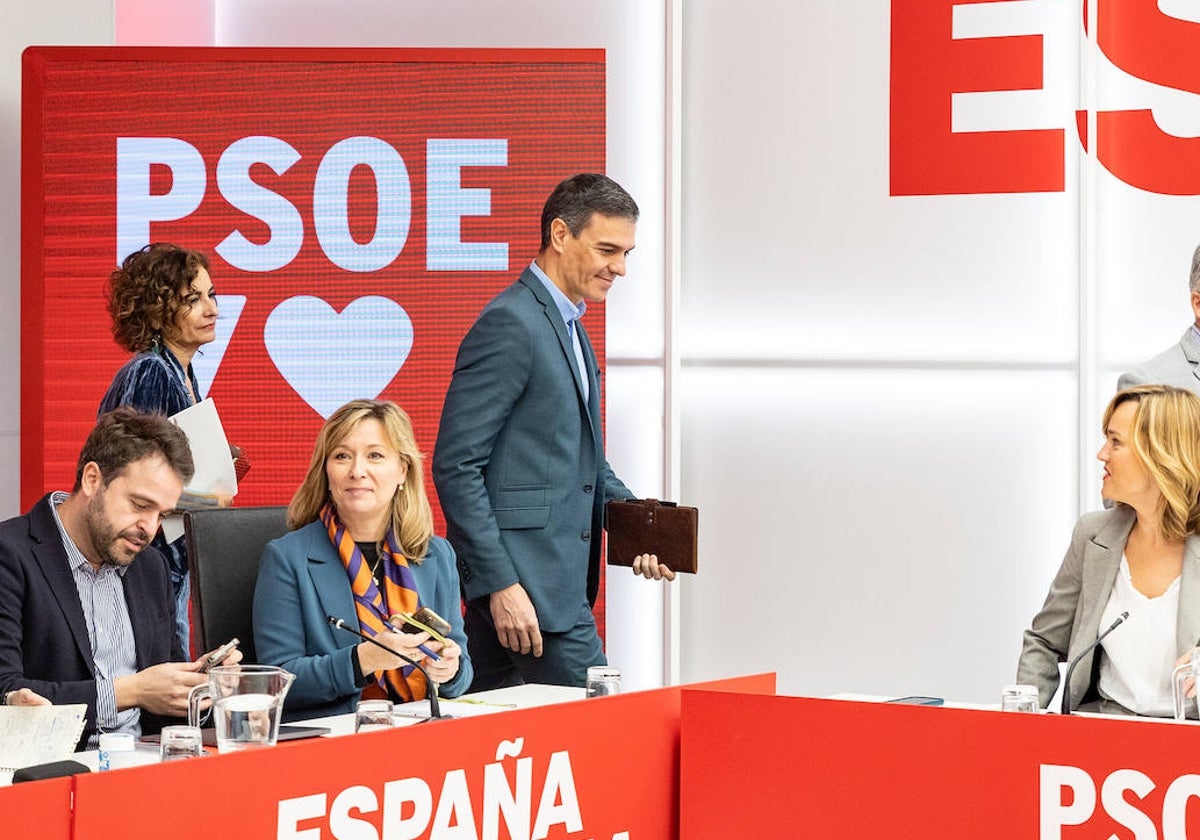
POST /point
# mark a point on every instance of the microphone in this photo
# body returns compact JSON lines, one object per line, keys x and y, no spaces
{"x":435,"y":712}
{"x":1066,"y":695}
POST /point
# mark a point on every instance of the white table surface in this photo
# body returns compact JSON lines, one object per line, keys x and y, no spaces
{"x":406,"y":714}
{"x":995,"y":707}
{"x":879,"y":698}
{"x":481,"y":702}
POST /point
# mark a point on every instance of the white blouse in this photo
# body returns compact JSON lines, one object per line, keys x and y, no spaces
{"x":1139,"y":657}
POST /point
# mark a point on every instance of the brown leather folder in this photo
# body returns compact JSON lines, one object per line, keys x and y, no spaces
{"x":648,"y":526}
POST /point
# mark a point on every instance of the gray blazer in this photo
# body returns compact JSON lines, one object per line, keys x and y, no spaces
{"x":1178,"y":366}
{"x":519,"y":462}
{"x":1069,"y":621}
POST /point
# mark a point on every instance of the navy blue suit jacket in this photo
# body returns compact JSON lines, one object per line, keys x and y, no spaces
{"x":301,"y":581}
{"x":44,"y":642}
{"x":519,"y":463}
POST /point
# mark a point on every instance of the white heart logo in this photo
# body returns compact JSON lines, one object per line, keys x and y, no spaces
{"x":330,"y":358}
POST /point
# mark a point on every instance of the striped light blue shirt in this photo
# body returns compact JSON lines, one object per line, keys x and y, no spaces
{"x":102,"y":597}
{"x":570,"y":314}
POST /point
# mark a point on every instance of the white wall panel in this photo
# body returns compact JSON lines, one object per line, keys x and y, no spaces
{"x":792,"y":246}
{"x":884,"y":532}
{"x":634,"y":605}
{"x":1143,"y":241}
{"x":1144,"y":256}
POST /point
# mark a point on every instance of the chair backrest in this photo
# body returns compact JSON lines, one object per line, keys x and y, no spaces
{"x":224,"y":547}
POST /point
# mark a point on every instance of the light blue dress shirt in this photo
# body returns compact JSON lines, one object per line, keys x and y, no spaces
{"x":570,"y":314}
{"x":102,"y":597}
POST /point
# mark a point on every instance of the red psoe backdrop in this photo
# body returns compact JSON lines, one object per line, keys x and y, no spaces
{"x":929,"y":65}
{"x":359,"y":208}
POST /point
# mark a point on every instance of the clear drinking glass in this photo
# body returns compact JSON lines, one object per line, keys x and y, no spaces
{"x":1019,"y":698}
{"x":177,"y":742}
{"x":603,"y":680}
{"x":1183,"y":680}
{"x":373,"y":715}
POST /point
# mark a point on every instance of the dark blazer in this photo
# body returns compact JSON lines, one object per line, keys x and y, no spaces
{"x":44,"y":642}
{"x":1069,"y":621}
{"x":152,"y":381}
{"x":519,"y":463}
{"x":301,"y":581}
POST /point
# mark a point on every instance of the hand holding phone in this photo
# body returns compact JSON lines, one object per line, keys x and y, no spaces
{"x":423,"y":620}
{"x":219,"y":655}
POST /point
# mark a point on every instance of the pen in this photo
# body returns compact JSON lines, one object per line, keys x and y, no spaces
{"x":476,"y":702}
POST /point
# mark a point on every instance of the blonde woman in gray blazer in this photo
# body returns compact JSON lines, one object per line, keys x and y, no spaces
{"x":1151,"y":458}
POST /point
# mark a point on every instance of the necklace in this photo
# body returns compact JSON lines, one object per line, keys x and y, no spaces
{"x":179,"y":369}
{"x":374,"y":559}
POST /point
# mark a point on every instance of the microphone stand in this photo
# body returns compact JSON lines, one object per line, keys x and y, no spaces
{"x":435,"y":711}
{"x":1066,"y":695}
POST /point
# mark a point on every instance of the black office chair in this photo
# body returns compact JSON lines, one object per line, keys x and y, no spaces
{"x":224,"y":547}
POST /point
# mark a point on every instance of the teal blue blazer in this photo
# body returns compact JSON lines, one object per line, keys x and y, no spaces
{"x":519,"y":463}
{"x":301,"y":581}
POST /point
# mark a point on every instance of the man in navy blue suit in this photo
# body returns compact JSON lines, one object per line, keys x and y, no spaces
{"x":86,"y":610}
{"x":519,"y":463}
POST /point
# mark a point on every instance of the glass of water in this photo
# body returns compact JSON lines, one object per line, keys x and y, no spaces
{"x":603,"y":680}
{"x":1019,"y":698}
{"x":177,"y":742}
{"x":373,"y":715}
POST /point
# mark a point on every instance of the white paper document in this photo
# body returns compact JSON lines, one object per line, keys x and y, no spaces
{"x":210,"y":450}
{"x":215,"y":478}
{"x":38,"y":734}
{"x":452,"y":708}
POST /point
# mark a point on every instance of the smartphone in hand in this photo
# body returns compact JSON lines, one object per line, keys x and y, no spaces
{"x":219,"y":655}
{"x":423,"y":620}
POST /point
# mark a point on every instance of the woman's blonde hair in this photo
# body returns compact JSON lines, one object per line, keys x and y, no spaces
{"x":1165,"y":437}
{"x":412,"y":517}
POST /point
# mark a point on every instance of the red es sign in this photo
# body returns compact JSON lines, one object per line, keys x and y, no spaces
{"x":929,"y":65}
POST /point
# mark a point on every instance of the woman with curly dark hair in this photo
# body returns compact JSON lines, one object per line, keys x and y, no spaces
{"x":163,"y":308}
